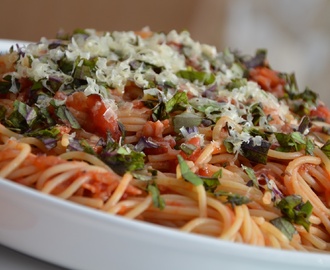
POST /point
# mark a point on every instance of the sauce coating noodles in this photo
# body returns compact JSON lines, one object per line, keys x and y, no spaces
{"x":160,"y":128}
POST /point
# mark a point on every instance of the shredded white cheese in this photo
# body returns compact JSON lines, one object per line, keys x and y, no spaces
{"x":122,"y":57}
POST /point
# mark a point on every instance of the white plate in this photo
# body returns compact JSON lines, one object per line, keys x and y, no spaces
{"x":5,"y":44}
{"x":77,"y":237}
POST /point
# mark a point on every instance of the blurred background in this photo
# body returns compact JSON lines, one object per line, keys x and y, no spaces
{"x":296,"y":33}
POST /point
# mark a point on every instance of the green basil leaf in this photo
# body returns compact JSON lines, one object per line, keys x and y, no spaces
{"x":251,"y":175}
{"x":86,"y":147}
{"x":187,"y":174}
{"x":3,"y":111}
{"x":291,"y":85}
{"x":294,"y":141}
{"x":236,"y":199}
{"x":29,"y":113}
{"x":188,"y":148}
{"x":256,"y":153}
{"x":44,"y":133}
{"x":293,"y":208}
{"x":178,"y":102}
{"x":5,"y":85}
{"x":122,"y":159}
{"x":186,"y":119}
{"x":256,"y":110}
{"x":233,"y":199}
{"x":309,"y":147}
{"x":23,"y":116}
{"x":157,"y":200}
{"x":236,"y":83}
{"x":284,"y":226}
{"x":326,"y":148}
{"x":298,"y":137}
{"x":192,"y":75}
{"x":304,"y":124}
{"x":210,"y":183}
{"x":303,"y":214}
{"x":229,"y":146}
{"x":218,"y":174}
{"x":66,"y":117}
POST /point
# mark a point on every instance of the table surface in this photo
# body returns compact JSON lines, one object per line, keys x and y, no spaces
{"x":13,"y":260}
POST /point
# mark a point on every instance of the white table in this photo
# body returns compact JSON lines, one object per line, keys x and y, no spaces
{"x":13,"y":260}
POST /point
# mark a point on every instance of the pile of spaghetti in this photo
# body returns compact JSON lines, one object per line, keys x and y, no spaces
{"x":161,"y":128}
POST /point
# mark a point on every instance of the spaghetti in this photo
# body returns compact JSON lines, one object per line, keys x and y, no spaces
{"x":160,"y":128}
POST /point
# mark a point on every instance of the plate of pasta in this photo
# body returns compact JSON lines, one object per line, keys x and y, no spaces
{"x":125,"y":149}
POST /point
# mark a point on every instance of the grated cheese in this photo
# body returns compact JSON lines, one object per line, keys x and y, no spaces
{"x":122,"y":57}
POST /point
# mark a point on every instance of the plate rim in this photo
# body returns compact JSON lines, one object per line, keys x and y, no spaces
{"x":5,"y":44}
{"x":243,"y":251}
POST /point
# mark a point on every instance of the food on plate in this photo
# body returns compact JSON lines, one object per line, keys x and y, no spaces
{"x":160,"y":128}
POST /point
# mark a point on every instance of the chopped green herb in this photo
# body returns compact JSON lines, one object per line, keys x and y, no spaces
{"x":86,"y":147}
{"x":291,"y":85}
{"x":326,"y":148}
{"x":309,"y":147}
{"x":3,"y":111}
{"x":251,"y":175}
{"x":66,"y":117}
{"x":23,"y":116}
{"x":44,"y":133}
{"x":187,"y":174}
{"x":210,"y":183}
{"x":294,"y":141}
{"x":236,"y":83}
{"x":233,"y":199}
{"x":144,"y":175}
{"x":84,"y":68}
{"x":5,"y":84}
{"x":122,"y":158}
{"x":256,"y":110}
{"x":186,"y":119}
{"x":255,"y":153}
{"x":157,"y":200}
{"x":29,"y":113}
{"x":37,"y":85}
{"x":285,"y":226}
{"x":295,"y":210}
{"x":178,"y":102}
{"x":188,"y":148}
{"x":202,"y":77}
{"x":218,"y":174}
{"x":229,"y":146}
{"x":257,"y":132}
{"x":304,"y":125}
